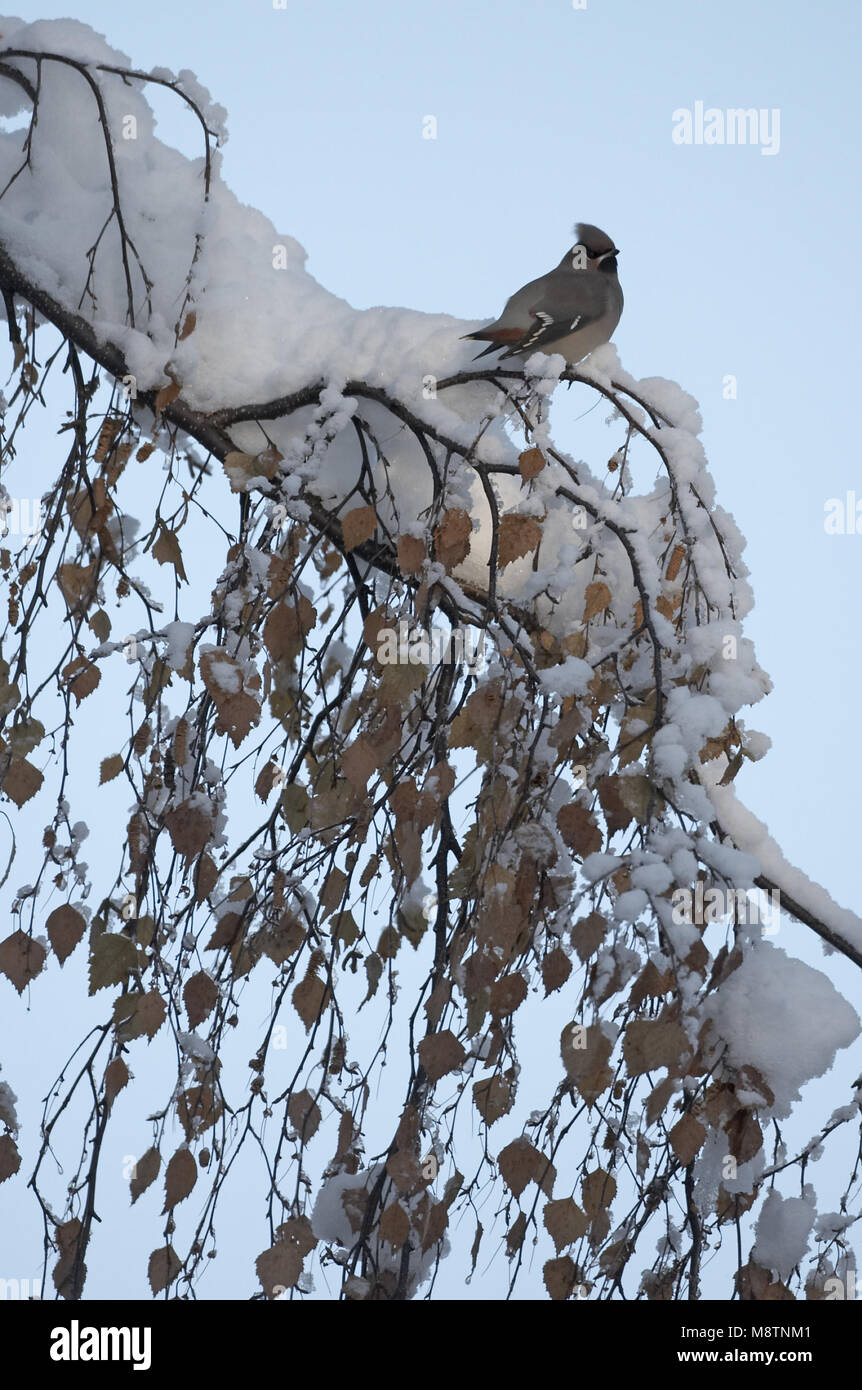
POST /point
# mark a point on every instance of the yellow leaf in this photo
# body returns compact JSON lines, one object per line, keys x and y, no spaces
{"x":598,"y":596}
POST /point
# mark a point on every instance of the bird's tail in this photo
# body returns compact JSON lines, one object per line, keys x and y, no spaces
{"x":480,"y":337}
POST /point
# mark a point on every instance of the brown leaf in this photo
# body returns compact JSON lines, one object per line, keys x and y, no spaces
{"x":65,"y":927}
{"x":225,"y":680}
{"x":650,"y":984}
{"x":304,"y":1114}
{"x":411,"y":554}
{"x":599,"y":1190}
{"x":658,"y":1099}
{"x":358,"y":761}
{"x":110,"y":768}
{"x":744,"y":1136}
{"x":687,"y":1138}
{"x":597,"y":597}
{"x":283,"y":940}
{"x":286,"y":627}
{"x":83,"y":677}
{"x":400,"y":680}
{"x":22,"y":780}
{"x":146,"y":1172}
{"x":517,"y":536}
{"x":452,"y":538}
{"x":297,"y":1231}
{"x":675,"y":562}
{"x":637,"y":792}
{"x":404,"y":1170}
{"x":69,"y":1272}
{"x":164,"y":1266}
{"x":116,"y":1077}
{"x":10,"y":1159}
{"x":358,"y":526}
{"x":438,"y":1220}
{"x":199,"y":996}
{"x":757,"y":1285}
{"x":164,"y":397}
{"x":520,"y":1163}
{"x":507,"y":995}
{"x":373,"y":965}
{"x":649,"y":1044}
{"x":189,"y":325}
{"x":76,"y":582}
{"x":112,"y":957}
{"x":21,"y":959}
{"x":732,"y":769}
{"x":279,"y":1267}
{"x":588,"y":935}
{"x":493,"y":1098}
{"x":332,"y":890}
{"x":190,"y":829}
{"x":556,"y":969}
{"x":181,"y":1175}
{"x":139,"y":1015}
{"x":309,"y":998}
{"x":578,"y":829}
{"x":394,"y":1225}
{"x":617,"y":813}
{"x":166,"y":550}
{"x":564,"y":1222}
{"x":585,"y":1053}
{"x":560,"y":1278}
{"x":530,"y":462}
{"x":23,"y":738}
{"x":266,"y":780}
{"x":729,"y":1206}
{"x":242,"y":469}
{"x":138,"y":840}
{"x":515,"y":1235}
{"x":206,"y":877}
{"x":198,"y":1109}
{"x":440,"y":1053}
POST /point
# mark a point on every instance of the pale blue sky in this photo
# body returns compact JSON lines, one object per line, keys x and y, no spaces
{"x":732,"y":262}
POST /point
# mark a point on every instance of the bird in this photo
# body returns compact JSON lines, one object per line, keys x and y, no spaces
{"x":572,"y":310}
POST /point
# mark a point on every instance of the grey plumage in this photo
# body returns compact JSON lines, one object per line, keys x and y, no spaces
{"x":572,"y":309}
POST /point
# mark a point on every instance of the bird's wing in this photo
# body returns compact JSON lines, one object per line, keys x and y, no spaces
{"x":571,"y":300}
{"x":515,"y":320}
